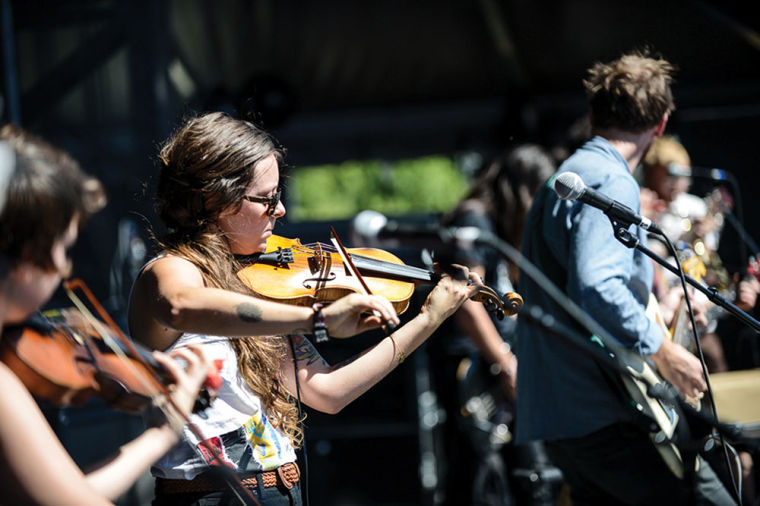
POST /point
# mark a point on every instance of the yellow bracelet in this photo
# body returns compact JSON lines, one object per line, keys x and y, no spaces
{"x":401,"y":355}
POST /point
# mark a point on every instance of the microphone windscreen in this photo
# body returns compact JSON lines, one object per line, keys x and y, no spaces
{"x":569,"y":186}
{"x":7,"y":166}
{"x":369,"y":223}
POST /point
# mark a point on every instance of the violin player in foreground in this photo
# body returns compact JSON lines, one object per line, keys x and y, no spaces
{"x":45,"y":200}
{"x":219,"y":196}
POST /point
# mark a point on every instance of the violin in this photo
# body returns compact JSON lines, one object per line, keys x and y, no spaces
{"x":290,"y":272}
{"x":65,"y":358}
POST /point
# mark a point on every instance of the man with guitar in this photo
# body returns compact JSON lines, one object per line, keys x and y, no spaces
{"x":567,"y":398}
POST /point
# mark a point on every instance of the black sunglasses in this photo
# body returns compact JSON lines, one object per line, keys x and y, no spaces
{"x":271,"y":202}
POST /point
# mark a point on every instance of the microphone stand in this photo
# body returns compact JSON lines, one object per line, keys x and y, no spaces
{"x":625,"y":237}
{"x":613,"y":360}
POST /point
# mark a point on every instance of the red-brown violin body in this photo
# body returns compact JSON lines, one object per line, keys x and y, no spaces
{"x":293,"y":273}
{"x":66,"y":357}
{"x":65,"y":363}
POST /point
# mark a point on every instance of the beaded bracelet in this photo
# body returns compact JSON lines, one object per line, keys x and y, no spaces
{"x":320,"y":329}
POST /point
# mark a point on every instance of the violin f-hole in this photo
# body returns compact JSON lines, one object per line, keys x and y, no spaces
{"x":330,"y":277}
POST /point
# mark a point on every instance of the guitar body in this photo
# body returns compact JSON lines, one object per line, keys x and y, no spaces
{"x":663,"y":416}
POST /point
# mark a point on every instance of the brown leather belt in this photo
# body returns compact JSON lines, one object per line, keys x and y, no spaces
{"x":287,"y":475}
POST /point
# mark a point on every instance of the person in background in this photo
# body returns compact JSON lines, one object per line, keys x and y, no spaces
{"x":476,"y":347}
{"x":693,"y":224}
{"x":219,"y":197}
{"x":46,"y":199}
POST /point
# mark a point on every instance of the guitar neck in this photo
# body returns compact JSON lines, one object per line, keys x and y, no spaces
{"x":681,"y":332}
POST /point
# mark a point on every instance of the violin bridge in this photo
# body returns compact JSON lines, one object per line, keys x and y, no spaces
{"x":317,"y":262}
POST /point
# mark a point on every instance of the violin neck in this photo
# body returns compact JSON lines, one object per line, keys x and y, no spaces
{"x":366,"y":265}
{"x":400,"y":272}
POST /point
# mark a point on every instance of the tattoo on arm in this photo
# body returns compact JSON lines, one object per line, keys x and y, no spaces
{"x":248,"y":312}
{"x":305,"y":352}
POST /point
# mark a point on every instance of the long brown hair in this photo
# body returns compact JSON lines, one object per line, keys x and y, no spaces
{"x":207,"y":165}
{"x":504,"y":190}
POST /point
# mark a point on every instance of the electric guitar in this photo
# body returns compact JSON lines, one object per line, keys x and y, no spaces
{"x":663,"y":415}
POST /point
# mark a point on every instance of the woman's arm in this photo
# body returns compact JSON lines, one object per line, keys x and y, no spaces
{"x":36,"y":469}
{"x":331,"y":388}
{"x":170,"y":298}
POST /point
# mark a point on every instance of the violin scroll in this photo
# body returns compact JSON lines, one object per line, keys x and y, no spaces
{"x":508,"y":305}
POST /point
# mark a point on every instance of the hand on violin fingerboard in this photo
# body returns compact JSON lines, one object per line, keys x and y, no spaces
{"x":451,"y":291}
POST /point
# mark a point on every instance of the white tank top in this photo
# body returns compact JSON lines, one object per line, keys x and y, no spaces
{"x":235,"y":424}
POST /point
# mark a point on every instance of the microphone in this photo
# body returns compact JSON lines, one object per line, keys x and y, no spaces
{"x":7,"y":166}
{"x":678,"y":170}
{"x":570,"y":186}
{"x":371,"y":225}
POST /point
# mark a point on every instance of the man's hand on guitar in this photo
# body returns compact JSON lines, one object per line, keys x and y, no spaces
{"x":682,"y":369}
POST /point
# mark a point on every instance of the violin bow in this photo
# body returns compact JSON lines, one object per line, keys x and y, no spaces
{"x":388,"y":326}
{"x":230,"y":477}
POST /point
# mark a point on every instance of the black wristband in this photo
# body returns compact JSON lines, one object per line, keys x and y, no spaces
{"x":320,"y":329}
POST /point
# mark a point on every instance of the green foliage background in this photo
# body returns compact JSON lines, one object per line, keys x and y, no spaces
{"x":423,"y":185}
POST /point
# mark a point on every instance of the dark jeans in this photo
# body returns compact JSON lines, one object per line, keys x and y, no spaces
{"x":266,"y":496}
{"x":619,"y":465}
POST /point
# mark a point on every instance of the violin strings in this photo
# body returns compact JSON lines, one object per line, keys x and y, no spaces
{"x":110,"y":341}
{"x":383,"y":266}
{"x":402,"y":270}
{"x":162,"y":401}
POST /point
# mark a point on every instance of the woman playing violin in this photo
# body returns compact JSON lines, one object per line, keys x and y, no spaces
{"x":46,"y":198}
{"x":219,"y":196}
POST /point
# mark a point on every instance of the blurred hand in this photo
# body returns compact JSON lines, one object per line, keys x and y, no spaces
{"x":189,"y":367}
{"x":746,"y":294}
{"x":652,"y":206}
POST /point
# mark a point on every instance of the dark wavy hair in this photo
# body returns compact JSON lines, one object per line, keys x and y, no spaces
{"x":504,"y":190}
{"x":207,"y":165}
{"x":46,"y":190}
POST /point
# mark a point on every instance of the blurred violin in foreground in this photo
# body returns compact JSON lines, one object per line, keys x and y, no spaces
{"x":293,"y":273}
{"x":67,"y":356}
